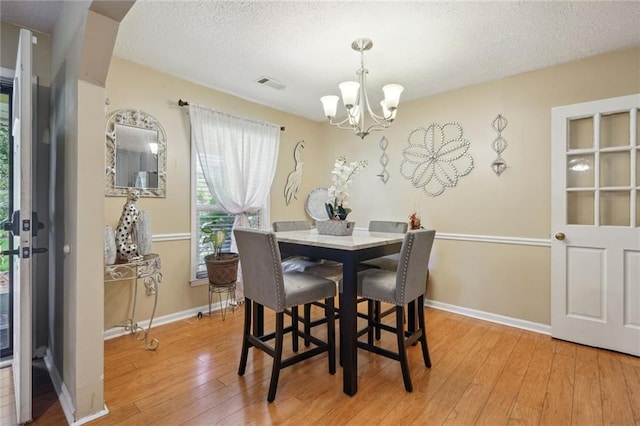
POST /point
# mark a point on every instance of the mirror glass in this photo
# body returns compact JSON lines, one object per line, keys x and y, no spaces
{"x":136,"y":154}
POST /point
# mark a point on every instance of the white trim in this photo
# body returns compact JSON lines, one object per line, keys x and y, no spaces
{"x":539,"y":242}
{"x":171,"y":237}
{"x":60,"y":388}
{"x":165,"y":319}
{"x":6,"y":363}
{"x":91,"y":418}
{"x":488,"y":316}
{"x":495,"y":239}
{"x":198,"y":282}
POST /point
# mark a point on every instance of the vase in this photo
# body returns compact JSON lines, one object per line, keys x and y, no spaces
{"x":335,"y":227}
{"x":109,"y":246}
{"x":145,"y":237}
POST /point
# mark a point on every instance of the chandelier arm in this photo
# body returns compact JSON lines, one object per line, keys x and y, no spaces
{"x":380,"y":120}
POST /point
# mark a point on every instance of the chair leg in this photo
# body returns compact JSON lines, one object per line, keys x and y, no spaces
{"x":377,"y":317}
{"x":294,"y":328}
{"x":371,"y":317}
{"x":329,"y":312}
{"x":402,"y":350}
{"x":277,"y":357}
{"x":307,"y":323}
{"x":245,"y":341}
{"x":423,"y":338}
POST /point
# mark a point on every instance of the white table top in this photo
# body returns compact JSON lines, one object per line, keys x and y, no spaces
{"x":361,"y":239}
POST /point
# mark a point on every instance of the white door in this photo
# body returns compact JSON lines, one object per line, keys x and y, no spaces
{"x":595,"y":219}
{"x":22,"y":294}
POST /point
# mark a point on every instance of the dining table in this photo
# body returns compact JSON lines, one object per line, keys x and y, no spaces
{"x":350,"y":251}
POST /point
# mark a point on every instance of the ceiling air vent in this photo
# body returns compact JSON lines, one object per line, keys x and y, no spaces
{"x":268,"y":81}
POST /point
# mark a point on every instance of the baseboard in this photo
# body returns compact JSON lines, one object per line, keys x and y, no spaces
{"x":165,"y":319}
{"x":60,"y":388}
{"x":488,"y":316}
{"x":91,"y":418}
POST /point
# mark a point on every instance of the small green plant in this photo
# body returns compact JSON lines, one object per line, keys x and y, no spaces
{"x":214,"y":236}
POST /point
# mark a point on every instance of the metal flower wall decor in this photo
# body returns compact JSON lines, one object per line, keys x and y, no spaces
{"x":436,"y":158}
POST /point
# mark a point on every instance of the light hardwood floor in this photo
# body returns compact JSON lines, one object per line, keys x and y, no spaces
{"x":482,"y":374}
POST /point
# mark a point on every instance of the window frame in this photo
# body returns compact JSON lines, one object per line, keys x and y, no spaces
{"x":195,"y":210}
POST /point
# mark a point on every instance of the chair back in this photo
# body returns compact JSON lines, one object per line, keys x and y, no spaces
{"x":291,"y":225}
{"x":413,"y":266}
{"x":388,"y":226}
{"x":261,"y":267}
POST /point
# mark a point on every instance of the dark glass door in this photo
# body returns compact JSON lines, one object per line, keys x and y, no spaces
{"x":6,"y":287}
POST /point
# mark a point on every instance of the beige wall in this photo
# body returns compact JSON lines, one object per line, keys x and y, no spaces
{"x":132,"y":86}
{"x":504,"y":279}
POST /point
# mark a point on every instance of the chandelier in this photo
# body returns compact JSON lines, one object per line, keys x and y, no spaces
{"x":356,"y":101}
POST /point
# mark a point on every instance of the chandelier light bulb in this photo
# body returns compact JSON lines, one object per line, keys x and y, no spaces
{"x":392,"y":95}
{"x":349,"y":91}
{"x":330,"y":105}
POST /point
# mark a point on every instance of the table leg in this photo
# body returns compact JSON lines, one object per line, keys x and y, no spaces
{"x":348,"y":327}
{"x":151,"y":283}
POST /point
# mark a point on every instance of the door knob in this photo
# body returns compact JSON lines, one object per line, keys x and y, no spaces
{"x":559,"y":236}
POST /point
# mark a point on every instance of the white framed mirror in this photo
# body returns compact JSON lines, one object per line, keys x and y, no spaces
{"x":136,"y":154}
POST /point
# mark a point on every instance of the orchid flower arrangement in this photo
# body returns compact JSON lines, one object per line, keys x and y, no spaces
{"x":337,"y":204}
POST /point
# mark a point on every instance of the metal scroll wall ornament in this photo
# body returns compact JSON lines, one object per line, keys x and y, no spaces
{"x":499,"y":144}
{"x":384,"y":160}
{"x":436,"y":158}
{"x":294,"y":180}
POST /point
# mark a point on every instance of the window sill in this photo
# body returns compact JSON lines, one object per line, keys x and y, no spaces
{"x":199,"y":282}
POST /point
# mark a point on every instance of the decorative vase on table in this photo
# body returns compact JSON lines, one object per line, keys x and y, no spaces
{"x":109,"y":245}
{"x":337,"y":194}
{"x":144,"y":235}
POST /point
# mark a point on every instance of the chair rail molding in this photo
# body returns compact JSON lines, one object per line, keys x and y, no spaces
{"x":495,"y":239}
{"x":172,"y":237}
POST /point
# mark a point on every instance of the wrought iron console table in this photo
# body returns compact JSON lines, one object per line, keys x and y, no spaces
{"x":147,"y":268}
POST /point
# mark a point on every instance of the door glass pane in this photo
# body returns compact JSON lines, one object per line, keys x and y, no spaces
{"x":6,"y":321}
{"x":615,"y":169}
{"x":580,"y":208}
{"x":638,"y":209}
{"x":638,"y":166}
{"x":615,"y":208}
{"x":581,"y":133}
{"x":580,"y":171}
{"x":614,"y":130}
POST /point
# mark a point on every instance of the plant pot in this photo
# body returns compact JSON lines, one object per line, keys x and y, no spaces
{"x":222,"y":269}
{"x":335,"y":227}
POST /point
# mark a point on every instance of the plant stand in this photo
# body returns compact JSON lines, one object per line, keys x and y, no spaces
{"x":222,"y":271}
{"x":230,"y":299}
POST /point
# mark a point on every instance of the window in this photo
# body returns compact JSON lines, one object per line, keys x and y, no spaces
{"x":207,"y":211}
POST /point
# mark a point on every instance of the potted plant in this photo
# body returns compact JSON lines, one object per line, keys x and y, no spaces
{"x":222,"y":268}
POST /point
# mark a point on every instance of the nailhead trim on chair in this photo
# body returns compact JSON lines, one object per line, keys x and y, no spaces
{"x":278,"y":268}
{"x":405,"y":266}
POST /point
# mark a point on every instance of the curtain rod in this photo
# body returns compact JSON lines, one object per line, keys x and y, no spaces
{"x":185,"y":103}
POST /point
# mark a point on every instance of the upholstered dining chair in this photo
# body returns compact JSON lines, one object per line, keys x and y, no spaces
{"x":322,"y":268}
{"x":400,"y":288}
{"x":266,"y":284}
{"x":389,"y":263}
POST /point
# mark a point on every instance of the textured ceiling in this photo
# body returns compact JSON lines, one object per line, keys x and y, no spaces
{"x":428,"y":47}
{"x":39,"y":15}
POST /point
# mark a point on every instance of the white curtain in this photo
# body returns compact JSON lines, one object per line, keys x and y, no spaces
{"x":238,"y":157}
